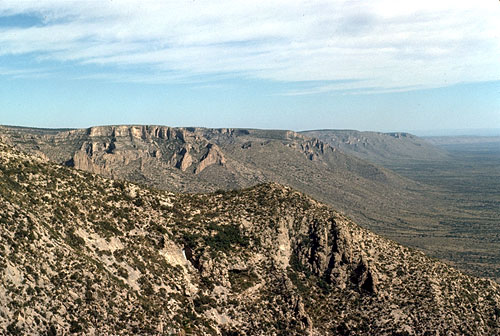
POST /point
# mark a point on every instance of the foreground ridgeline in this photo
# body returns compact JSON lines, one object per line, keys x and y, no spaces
{"x":83,"y":254}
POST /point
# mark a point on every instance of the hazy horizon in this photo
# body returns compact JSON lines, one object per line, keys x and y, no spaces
{"x":381,"y":66}
{"x":485,"y":132}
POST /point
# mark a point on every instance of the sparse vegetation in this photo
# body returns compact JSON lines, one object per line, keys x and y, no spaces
{"x":265,"y":258}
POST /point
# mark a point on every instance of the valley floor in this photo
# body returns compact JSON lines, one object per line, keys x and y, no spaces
{"x":464,"y":193}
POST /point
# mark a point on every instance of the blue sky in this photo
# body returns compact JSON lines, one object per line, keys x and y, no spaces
{"x":378,"y":65}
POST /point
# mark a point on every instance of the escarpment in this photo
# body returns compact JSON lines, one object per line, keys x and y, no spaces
{"x":126,"y":259}
{"x":145,"y":148}
{"x":206,"y":160}
{"x":199,"y":159}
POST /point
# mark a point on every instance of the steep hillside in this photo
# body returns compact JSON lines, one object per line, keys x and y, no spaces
{"x":421,"y":214}
{"x":86,"y":255}
{"x":382,"y":148}
{"x":201,"y":160}
{"x":459,"y":176}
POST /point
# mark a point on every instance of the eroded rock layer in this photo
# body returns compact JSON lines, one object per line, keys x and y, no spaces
{"x":83,"y":254}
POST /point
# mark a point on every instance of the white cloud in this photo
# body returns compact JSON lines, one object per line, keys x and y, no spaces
{"x":24,"y":73}
{"x":379,"y":44}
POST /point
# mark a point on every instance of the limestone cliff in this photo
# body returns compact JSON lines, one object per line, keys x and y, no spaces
{"x":86,"y":255}
{"x":213,"y":156}
{"x":206,"y":160}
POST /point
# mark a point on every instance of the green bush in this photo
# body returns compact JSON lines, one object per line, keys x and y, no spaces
{"x":74,"y":240}
{"x":226,"y":235}
{"x":242,"y":279}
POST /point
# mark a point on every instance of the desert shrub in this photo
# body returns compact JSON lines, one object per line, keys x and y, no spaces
{"x":122,"y":272}
{"x":226,"y":235}
{"x":119,"y":185}
{"x":242,"y":279}
{"x":74,"y":240}
{"x":75,"y":327}
{"x":138,"y":201}
{"x":108,"y":228}
{"x":13,"y":329}
{"x":203,"y":302}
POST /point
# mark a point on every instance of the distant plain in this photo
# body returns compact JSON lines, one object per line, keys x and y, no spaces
{"x":465,"y":189}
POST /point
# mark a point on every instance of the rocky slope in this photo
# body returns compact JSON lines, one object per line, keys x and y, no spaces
{"x":86,"y":255}
{"x":413,"y":213}
{"x":201,"y":160}
{"x":382,"y":148}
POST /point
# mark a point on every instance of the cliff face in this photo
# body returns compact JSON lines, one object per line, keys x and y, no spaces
{"x":206,"y":160}
{"x":122,"y":151}
{"x":383,"y":148}
{"x":83,"y":254}
{"x":198,"y":159}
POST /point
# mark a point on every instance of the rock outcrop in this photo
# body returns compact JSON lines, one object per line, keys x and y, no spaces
{"x":206,"y":160}
{"x":83,"y":254}
{"x":185,"y":161}
{"x":81,"y":160}
{"x":382,"y":148}
{"x":213,"y":156}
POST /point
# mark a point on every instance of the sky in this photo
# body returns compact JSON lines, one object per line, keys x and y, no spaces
{"x":420,"y":66}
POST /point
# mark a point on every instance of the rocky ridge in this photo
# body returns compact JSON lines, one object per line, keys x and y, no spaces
{"x":83,"y":254}
{"x":200,"y":160}
{"x":381,"y":148}
{"x":206,"y":160}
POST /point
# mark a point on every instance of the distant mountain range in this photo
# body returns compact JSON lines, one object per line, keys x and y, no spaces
{"x":463,"y":140}
{"x":459,"y":132}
